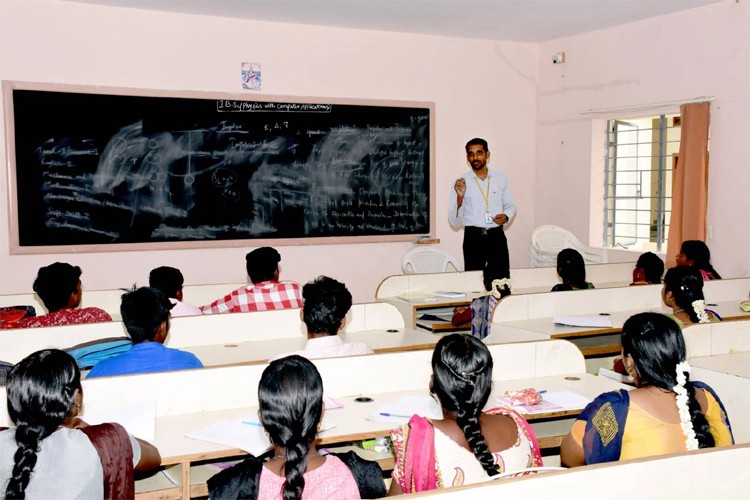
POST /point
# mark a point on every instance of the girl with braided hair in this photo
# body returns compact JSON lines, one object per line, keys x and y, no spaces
{"x":44,"y":399}
{"x":665,"y":413}
{"x":290,"y":397}
{"x":468,"y":444}
{"x":683,"y":292}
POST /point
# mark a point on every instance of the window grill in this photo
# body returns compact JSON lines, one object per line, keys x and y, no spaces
{"x":640,"y":158}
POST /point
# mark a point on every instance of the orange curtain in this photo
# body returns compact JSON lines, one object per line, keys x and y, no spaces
{"x":690,"y":180}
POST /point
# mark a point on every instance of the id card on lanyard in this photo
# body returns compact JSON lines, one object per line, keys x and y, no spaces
{"x":486,"y":196}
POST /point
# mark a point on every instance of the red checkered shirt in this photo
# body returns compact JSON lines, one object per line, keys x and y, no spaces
{"x":264,"y":296}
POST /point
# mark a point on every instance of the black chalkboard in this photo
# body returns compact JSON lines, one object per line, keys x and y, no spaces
{"x":94,"y":168}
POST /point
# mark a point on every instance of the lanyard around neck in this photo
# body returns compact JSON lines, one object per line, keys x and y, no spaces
{"x":486,"y":196}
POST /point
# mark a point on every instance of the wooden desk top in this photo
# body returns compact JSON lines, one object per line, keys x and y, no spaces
{"x":737,"y":363}
{"x":351,"y":423}
{"x":261,"y":351}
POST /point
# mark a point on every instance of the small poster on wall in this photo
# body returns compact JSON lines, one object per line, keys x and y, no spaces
{"x":251,"y":79}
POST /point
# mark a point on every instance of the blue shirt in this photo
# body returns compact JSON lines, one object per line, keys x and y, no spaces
{"x":474,"y":206}
{"x":146,"y":357}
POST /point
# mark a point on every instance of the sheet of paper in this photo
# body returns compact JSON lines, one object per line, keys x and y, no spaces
{"x":247,"y":434}
{"x":139,"y":419}
{"x":331,"y":404}
{"x":604,"y":372}
{"x":584,"y":321}
{"x":235,"y":434}
{"x":448,"y":295}
{"x":401,"y":410}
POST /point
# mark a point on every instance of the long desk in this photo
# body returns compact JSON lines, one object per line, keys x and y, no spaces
{"x":714,"y":473}
{"x":259,"y":351}
{"x":193,"y":331}
{"x":412,"y":293}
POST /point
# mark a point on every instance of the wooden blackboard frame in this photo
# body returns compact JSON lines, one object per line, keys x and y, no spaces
{"x":11,"y":167}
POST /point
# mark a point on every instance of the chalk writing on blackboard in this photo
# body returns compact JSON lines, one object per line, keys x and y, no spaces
{"x":133,"y":169}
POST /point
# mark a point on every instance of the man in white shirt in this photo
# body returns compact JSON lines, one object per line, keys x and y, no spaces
{"x":326,"y":302}
{"x":169,"y":281}
{"x":481,"y":201}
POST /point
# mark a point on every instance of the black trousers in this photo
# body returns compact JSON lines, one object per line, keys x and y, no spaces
{"x":486,"y":250}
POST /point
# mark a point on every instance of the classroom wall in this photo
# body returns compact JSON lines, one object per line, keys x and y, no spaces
{"x":698,"y":52}
{"x":480,"y":88}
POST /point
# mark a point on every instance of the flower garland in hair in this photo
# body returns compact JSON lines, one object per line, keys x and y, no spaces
{"x":699,"y":306}
{"x":498,"y":285}
{"x":691,"y":442}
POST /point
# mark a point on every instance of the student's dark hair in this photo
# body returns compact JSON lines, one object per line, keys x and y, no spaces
{"x":56,"y":283}
{"x":686,"y":285}
{"x":657,"y":346}
{"x":462,"y":381}
{"x":326,"y":302}
{"x":41,"y":392}
{"x":261,"y":264}
{"x":653,"y":267}
{"x":143,"y":310}
{"x":698,"y":252}
{"x":571,"y":268}
{"x":290,"y":397}
{"x":167,"y":279}
{"x":477,"y":142}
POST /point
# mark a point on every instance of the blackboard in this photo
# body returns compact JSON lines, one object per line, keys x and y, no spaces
{"x":117,"y":167}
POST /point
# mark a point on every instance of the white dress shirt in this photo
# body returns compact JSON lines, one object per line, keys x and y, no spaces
{"x":474,"y":206}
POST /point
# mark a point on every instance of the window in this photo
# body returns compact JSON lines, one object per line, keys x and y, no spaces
{"x":640,"y":158}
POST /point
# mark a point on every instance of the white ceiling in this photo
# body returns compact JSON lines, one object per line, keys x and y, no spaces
{"x":516,"y":20}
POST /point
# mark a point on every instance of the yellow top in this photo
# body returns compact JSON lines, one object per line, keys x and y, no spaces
{"x":646,"y":435}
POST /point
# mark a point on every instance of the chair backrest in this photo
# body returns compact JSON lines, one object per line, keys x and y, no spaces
{"x":547,"y":241}
{"x":428,"y":259}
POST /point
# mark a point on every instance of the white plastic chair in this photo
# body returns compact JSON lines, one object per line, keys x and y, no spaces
{"x":547,"y":241}
{"x":422,"y":259}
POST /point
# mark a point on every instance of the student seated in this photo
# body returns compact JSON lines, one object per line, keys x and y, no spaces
{"x":266,"y":293}
{"x":51,"y":453}
{"x":696,"y":254}
{"x":572,"y":271}
{"x":59,"y":287}
{"x":324,"y":312}
{"x":666,"y":413}
{"x":169,"y":281}
{"x":290,"y":397}
{"x":467,"y":445}
{"x":683,"y":292}
{"x":648,"y":270}
{"x":145,"y":312}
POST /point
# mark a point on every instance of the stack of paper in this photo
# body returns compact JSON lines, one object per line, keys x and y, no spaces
{"x":139,"y":419}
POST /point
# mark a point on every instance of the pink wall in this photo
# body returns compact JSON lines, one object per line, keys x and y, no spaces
{"x":481,"y":88}
{"x":699,"y":52}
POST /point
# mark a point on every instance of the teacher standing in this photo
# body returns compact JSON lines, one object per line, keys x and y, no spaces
{"x":483,"y":204}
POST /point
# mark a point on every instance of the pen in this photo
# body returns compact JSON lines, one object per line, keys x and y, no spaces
{"x":543,"y":391}
{"x":382,"y":414}
{"x":254,"y":424}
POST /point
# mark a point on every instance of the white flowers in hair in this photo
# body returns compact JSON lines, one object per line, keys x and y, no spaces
{"x":699,"y":306}
{"x":691,"y":442}
{"x":498,"y":285}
